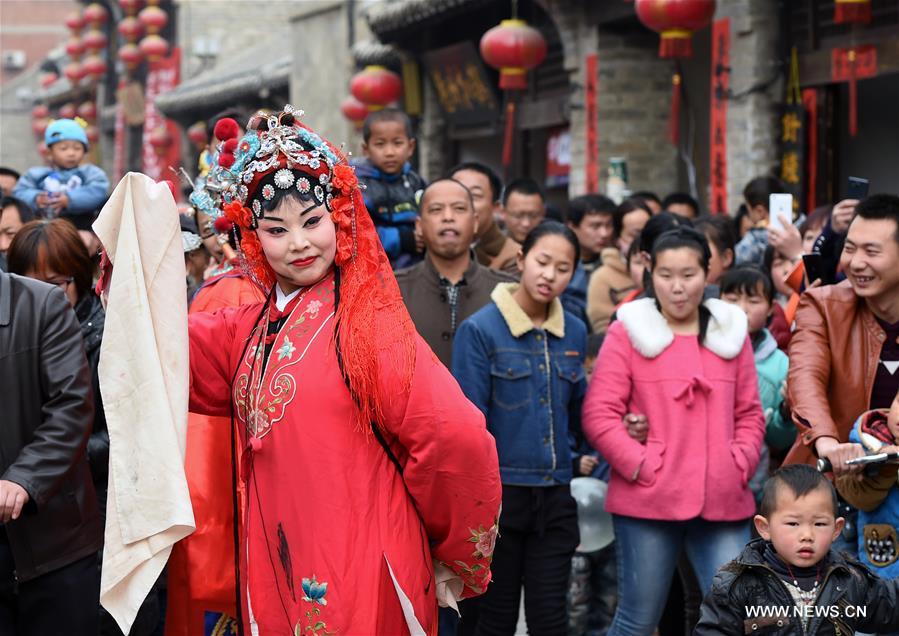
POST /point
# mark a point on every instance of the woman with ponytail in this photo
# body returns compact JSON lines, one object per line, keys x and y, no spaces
{"x":687,"y":364}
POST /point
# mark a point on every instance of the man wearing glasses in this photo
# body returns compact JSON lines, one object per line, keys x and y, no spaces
{"x":524,"y":207}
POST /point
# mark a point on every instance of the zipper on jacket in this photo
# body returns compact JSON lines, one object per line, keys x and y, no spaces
{"x":549,"y":399}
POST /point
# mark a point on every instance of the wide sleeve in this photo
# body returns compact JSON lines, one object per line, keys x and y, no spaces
{"x":450,"y":469}
{"x":809,"y":374}
{"x":749,"y":419}
{"x":91,"y":194}
{"x":471,"y":364}
{"x":59,"y":440}
{"x":211,"y":338}
{"x":607,"y":402}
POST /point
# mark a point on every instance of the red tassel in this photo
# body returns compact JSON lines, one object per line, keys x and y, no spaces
{"x":509,"y":136}
{"x":853,"y":95}
{"x":675,"y":43}
{"x":852,"y":12}
{"x":674,"y":116}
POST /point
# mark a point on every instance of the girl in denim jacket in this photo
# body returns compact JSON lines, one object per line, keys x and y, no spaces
{"x":520,"y":360}
{"x":687,"y":364}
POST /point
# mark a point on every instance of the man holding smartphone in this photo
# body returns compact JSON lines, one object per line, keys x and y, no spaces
{"x":844,"y":355}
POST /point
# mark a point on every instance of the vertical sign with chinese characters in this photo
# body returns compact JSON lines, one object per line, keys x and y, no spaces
{"x":810,"y":103}
{"x":792,"y":136}
{"x":162,"y":77}
{"x":718,"y":116}
{"x":591,"y":90}
{"x":461,"y":85}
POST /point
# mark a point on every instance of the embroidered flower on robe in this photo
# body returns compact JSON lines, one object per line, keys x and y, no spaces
{"x":286,"y":350}
{"x":484,"y":540}
{"x":314,"y":592}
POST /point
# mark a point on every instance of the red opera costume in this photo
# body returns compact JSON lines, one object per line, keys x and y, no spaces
{"x":362,"y":463}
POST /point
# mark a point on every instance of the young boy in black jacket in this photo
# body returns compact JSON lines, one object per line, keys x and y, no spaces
{"x":790,"y":581}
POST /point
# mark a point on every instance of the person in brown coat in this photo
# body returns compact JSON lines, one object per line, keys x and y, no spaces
{"x":845,"y":351}
{"x":492,"y":247}
{"x":449,"y":285}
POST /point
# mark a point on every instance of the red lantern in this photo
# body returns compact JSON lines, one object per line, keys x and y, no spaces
{"x":88,"y":112}
{"x":129,"y":7}
{"x":95,"y":14}
{"x":42,"y":150}
{"x":161,"y":140}
{"x":39,"y":126}
{"x":93,"y":134}
{"x":675,"y":21}
{"x":131,"y":56}
{"x":154,"y":47}
{"x":74,"y":47}
{"x":74,"y":73}
{"x":354,"y":110}
{"x":198,"y":135}
{"x":94,"y":67}
{"x":513,"y":48}
{"x":75,"y":22}
{"x":852,"y":11}
{"x":94,"y":40}
{"x":67,"y":111}
{"x":40,"y":111}
{"x":48,"y":79}
{"x":130,"y":28}
{"x":376,"y":87}
{"x":153,"y":18}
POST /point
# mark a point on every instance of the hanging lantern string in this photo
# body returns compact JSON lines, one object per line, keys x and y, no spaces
{"x":853,"y":93}
{"x":514,"y":9}
{"x":794,"y":94}
{"x":674,"y":115}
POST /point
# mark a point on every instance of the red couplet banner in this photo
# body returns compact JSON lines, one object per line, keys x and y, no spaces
{"x":164,"y":75}
{"x":591,"y":90}
{"x":718,"y":115}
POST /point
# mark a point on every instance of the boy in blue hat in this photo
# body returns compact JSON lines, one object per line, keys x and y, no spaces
{"x":67,"y":187}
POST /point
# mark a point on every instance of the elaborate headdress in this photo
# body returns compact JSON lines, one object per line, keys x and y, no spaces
{"x":374,"y":330}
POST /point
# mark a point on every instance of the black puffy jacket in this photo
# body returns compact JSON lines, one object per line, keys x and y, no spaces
{"x":847,"y":587}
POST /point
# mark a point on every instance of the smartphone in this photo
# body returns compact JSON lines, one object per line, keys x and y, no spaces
{"x":779,"y":204}
{"x":858,"y":188}
{"x":814,"y":268}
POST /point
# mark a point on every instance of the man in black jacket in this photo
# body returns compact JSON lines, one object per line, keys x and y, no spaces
{"x":49,"y":580}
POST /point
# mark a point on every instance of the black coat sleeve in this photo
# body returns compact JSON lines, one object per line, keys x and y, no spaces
{"x":60,"y":437}
{"x":881,"y":603}
{"x":720,"y":614}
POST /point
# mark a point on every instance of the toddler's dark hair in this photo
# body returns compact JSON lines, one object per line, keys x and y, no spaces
{"x":384,"y":115}
{"x":746,"y":280}
{"x":801,"y":479}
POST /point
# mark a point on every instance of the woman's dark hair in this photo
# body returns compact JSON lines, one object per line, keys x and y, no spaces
{"x":633,"y":250}
{"x":658,"y":225}
{"x":548,"y":228}
{"x":719,"y":230}
{"x":51,"y":244}
{"x":679,"y":238}
{"x":283,"y":195}
{"x":586,"y":204}
{"x":684,"y":237}
{"x":25,"y":211}
{"x":682,"y":198}
{"x":746,"y":280}
{"x":626,"y":207}
{"x":647,"y":195}
{"x":817,"y":218}
{"x":760,"y":189}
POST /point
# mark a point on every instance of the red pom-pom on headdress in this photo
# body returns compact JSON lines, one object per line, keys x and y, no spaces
{"x":230,"y":146}
{"x":226,"y":129}
{"x":226,"y":159}
{"x":222,"y":225}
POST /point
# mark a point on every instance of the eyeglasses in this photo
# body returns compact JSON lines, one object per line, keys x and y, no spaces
{"x":524,"y":216}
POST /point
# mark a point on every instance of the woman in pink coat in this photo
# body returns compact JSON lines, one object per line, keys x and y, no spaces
{"x":688,"y":366}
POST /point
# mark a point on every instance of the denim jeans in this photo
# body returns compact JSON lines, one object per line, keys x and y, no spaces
{"x":647,"y":552}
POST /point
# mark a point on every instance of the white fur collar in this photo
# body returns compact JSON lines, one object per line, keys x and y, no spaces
{"x":650,"y":334}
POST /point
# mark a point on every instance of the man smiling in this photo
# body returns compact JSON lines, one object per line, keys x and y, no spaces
{"x":448,"y":285}
{"x":844,"y":356}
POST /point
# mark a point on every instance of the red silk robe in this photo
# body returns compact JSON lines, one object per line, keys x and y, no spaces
{"x":201,"y":586}
{"x":335,"y":540}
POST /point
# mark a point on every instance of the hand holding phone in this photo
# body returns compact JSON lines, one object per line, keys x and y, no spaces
{"x":779,"y":205}
{"x":815,"y":268}
{"x":858,"y":188}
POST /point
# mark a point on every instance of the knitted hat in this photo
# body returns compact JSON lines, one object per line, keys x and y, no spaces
{"x":65,"y":130}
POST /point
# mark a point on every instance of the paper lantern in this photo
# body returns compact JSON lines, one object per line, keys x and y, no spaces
{"x":852,"y":11}
{"x":74,"y":47}
{"x":376,"y":87}
{"x":130,"y":28}
{"x":675,"y":21}
{"x":131,"y":56}
{"x":88,"y":112}
{"x":513,"y":47}
{"x":153,"y":19}
{"x":75,"y":22}
{"x":95,"y":14}
{"x":68,"y":111}
{"x":94,"y":67}
{"x":74,"y":73}
{"x":160,"y":140}
{"x":40,"y":111}
{"x":94,"y":40}
{"x":354,"y":110}
{"x":154,"y":47}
